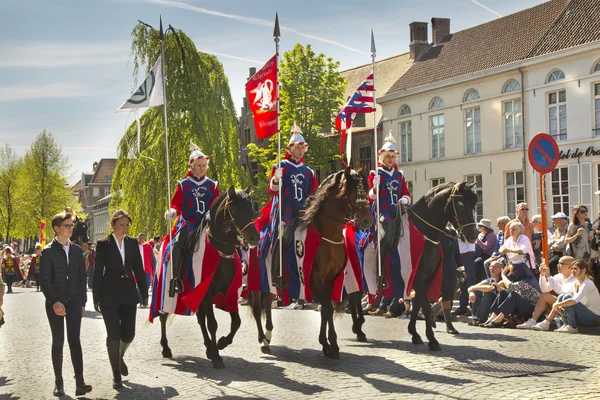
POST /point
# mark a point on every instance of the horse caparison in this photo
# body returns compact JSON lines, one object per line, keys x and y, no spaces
{"x":229,"y":224}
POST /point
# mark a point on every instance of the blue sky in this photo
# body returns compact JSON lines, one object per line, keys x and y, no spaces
{"x":65,"y":64}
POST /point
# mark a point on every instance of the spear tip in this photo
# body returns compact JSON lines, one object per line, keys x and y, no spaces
{"x":276,"y":32}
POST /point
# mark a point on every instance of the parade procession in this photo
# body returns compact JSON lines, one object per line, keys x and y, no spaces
{"x":300,"y":200}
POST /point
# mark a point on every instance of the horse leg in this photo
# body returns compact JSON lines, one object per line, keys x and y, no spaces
{"x":426,"y":306}
{"x":416,"y":338}
{"x":217,"y":361}
{"x":225,"y":341}
{"x":323,"y":333}
{"x":166,"y":351}
{"x":257,"y":313}
{"x":268,"y":299}
{"x":334,"y":350}
{"x":446,"y":308}
{"x":201,"y":316}
{"x":358,"y":318}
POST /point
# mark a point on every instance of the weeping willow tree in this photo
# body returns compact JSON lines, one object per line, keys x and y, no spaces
{"x":199,"y":107}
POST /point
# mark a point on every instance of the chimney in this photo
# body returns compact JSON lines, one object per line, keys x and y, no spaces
{"x":94,"y":166}
{"x":418,"y":39}
{"x":440,"y":27}
{"x":252,"y":72}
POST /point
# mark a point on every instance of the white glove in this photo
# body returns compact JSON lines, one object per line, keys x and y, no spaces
{"x":170,"y":214}
{"x":376,"y":180}
{"x":278,"y":173}
{"x":404,"y":200}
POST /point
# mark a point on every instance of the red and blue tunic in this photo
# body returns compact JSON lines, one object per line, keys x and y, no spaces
{"x":392,"y":187}
{"x":192,"y":200}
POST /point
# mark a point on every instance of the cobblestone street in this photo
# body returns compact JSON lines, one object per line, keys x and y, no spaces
{"x":389,"y":366}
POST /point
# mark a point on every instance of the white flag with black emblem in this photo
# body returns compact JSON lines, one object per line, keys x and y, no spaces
{"x":150,"y":92}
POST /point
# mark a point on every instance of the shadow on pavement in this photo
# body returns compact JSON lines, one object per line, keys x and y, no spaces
{"x":486,"y":336}
{"x":365,"y":367}
{"x":239,"y":370}
{"x":137,"y":391}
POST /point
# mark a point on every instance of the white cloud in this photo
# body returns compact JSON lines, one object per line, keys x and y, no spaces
{"x":44,"y":91}
{"x":252,"y":21}
{"x":250,"y":60}
{"x":486,"y":8}
{"x":67,"y":54}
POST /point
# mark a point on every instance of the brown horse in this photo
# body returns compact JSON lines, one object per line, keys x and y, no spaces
{"x":339,"y":197}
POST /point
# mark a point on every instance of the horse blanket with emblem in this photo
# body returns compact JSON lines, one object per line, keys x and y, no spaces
{"x":355,"y":242}
{"x":409,"y":249}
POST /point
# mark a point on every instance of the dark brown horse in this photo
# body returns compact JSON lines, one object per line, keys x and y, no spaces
{"x":450,"y":202}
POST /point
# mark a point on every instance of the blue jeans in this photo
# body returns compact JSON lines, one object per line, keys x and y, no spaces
{"x":468,"y":260}
{"x":483,"y":304}
{"x":578,"y":314}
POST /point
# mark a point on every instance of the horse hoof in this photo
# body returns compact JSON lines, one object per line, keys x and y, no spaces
{"x":417,"y":340}
{"x":326,"y":351}
{"x":166,"y":353}
{"x":452,"y":331}
{"x":266,"y":350}
{"x":269,"y":335}
{"x":361,"y":337}
{"x":208,"y":355}
{"x":218,"y":363}
{"x":223,"y":342}
{"x":434,"y":346}
{"x":334,"y":354}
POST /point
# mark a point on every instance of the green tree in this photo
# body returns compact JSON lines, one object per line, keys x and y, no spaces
{"x":10,"y":165}
{"x":43,"y":189}
{"x":312,"y":92}
{"x":199,"y":107}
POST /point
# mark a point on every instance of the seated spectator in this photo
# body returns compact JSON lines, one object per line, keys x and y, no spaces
{"x":517,"y":296}
{"x":557,"y":244}
{"x":485,"y":245}
{"x":579,"y":234}
{"x":551,"y":287}
{"x":579,"y":307}
{"x":501,"y":224}
{"x":517,"y":247}
{"x":484,"y":293}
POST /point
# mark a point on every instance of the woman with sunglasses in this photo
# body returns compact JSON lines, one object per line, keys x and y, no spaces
{"x":63,"y":280}
{"x":578,"y":234}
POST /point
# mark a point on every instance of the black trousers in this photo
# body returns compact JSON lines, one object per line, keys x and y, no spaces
{"x":9,"y":279}
{"x":120,"y":322}
{"x":57,"y":326}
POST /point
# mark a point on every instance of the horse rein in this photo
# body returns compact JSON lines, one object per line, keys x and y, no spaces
{"x":226,"y":206}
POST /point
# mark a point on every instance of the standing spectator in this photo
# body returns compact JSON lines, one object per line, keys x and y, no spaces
{"x":34,"y":265}
{"x":118,"y":268}
{"x":62,"y":272}
{"x":486,"y":243}
{"x":537,"y":237}
{"x":517,"y":246}
{"x":557,"y":245}
{"x":2,"y":289}
{"x":579,"y":234}
{"x":467,"y":255}
{"x":10,"y":268}
{"x":147,"y":254}
{"x":522,"y":210}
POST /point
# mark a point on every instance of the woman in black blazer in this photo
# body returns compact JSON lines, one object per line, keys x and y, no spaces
{"x":118,"y":268}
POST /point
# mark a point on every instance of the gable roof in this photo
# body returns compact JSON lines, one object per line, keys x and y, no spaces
{"x":106,"y":167}
{"x":387,"y":71}
{"x":498,"y":42}
{"x":75,"y":188}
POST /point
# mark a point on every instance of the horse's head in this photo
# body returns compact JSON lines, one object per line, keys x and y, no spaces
{"x":354,"y":187}
{"x":239,"y":211}
{"x":80,"y":231}
{"x":461,"y":211}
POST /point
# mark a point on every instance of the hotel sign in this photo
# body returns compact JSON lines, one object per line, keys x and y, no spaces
{"x":591,"y":151}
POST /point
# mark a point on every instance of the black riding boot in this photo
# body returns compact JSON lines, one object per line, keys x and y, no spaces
{"x":114,"y":356}
{"x":59,"y":388}
{"x":179,"y":258}
{"x":80,"y":387}
{"x":123,"y":349}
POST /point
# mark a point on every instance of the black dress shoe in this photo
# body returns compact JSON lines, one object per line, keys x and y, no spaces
{"x":459,"y":311}
{"x":117,"y":384}
{"x":80,"y":390}
{"x":59,"y":389}
{"x":493,"y":325}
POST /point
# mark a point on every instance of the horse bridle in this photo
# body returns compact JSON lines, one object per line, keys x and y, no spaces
{"x":226,"y":208}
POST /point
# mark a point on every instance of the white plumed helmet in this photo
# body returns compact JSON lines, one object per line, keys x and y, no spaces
{"x":389,"y":146}
{"x":196,"y":154}
{"x":296,"y":138}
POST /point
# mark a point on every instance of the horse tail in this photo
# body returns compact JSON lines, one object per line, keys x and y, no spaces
{"x":339,"y":307}
{"x":256,"y":296}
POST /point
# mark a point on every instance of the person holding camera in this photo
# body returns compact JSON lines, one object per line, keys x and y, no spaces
{"x":118,"y":268}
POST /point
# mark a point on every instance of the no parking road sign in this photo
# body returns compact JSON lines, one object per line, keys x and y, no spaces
{"x":543,"y":153}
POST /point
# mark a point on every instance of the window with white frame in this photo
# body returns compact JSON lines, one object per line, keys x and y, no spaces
{"x":478,"y":188}
{"x":596,"y":129}
{"x":95,"y":192}
{"x":436,"y":126}
{"x":106,"y":191}
{"x":405,"y":141}
{"x":471,"y":95}
{"x":364,"y":154}
{"x":515,"y":191}
{"x":437,"y":181}
{"x":556,"y":75}
{"x":436,"y":103}
{"x":557,"y":114}
{"x":473,"y":130}
{"x":513,"y":124}
{"x":404,"y":110}
{"x":511,"y":86}
{"x":409,"y":185}
{"x":560,"y":190}
{"x":597,"y":67}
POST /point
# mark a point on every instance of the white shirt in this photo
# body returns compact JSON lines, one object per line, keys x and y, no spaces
{"x":66,"y":248}
{"x":121,"y":247}
{"x":587,"y":294}
{"x":522,"y":243}
{"x":558,"y":283}
{"x":465,"y":247}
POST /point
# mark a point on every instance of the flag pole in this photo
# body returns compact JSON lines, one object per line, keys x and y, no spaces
{"x":380,"y":278}
{"x":162,"y":66}
{"x":276,"y":34}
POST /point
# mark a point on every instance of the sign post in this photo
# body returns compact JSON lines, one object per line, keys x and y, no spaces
{"x":543,"y":156}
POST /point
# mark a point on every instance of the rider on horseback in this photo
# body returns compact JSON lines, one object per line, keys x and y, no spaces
{"x":191,"y":202}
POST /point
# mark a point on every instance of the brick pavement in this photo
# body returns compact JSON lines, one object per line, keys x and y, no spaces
{"x":387,"y":367}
